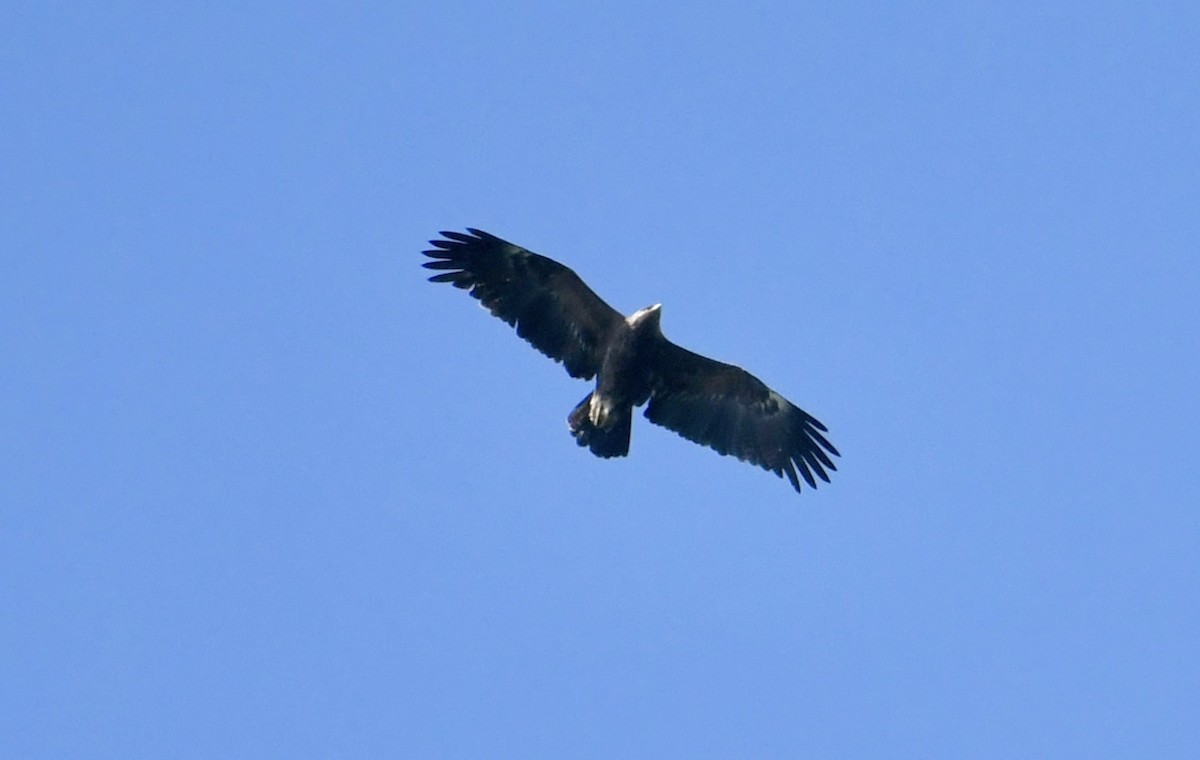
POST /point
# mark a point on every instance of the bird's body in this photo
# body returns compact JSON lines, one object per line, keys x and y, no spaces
{"x":715,"y":404}
{"x":603,"y":420}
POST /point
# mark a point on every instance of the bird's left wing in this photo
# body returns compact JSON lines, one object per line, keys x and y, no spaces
{"x":547,"y":302}
{"x":731,"y":411}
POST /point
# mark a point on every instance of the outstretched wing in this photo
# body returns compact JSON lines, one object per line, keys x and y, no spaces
{"x":727,"y":409}
{"x":547,"y":302}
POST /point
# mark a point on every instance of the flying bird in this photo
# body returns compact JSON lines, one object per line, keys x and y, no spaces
{"x":706,"y":401}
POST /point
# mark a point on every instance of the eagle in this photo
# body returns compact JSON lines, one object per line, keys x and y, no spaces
{"x":706,"y":401}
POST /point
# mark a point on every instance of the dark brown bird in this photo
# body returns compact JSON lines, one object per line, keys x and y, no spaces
{"x":714,"y":404}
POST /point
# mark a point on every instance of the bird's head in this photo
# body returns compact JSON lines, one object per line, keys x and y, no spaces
{"x":647,"y":317}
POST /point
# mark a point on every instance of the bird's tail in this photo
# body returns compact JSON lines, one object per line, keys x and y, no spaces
{"x":611,"y":441}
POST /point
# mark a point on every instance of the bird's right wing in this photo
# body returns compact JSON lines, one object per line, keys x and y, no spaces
{"x":547,"y":302}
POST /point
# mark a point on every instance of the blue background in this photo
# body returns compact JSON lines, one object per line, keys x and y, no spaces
{"x":266,"y":492}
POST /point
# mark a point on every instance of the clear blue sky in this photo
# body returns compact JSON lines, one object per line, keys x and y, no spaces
{"x":265,"y":492}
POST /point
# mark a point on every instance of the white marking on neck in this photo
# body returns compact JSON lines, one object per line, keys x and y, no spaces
{"x":641,"y":314}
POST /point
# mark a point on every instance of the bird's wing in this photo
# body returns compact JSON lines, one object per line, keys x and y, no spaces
{"x":547,"y":302}
{"x":731,"y":411}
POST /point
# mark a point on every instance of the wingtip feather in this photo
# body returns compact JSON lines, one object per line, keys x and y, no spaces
{"x":458,"y":279}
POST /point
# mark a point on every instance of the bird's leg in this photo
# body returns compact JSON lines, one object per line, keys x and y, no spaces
{"x":600,"y":410}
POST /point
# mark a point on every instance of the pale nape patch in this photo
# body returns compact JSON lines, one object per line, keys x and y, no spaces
{"x":641,"y":314}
